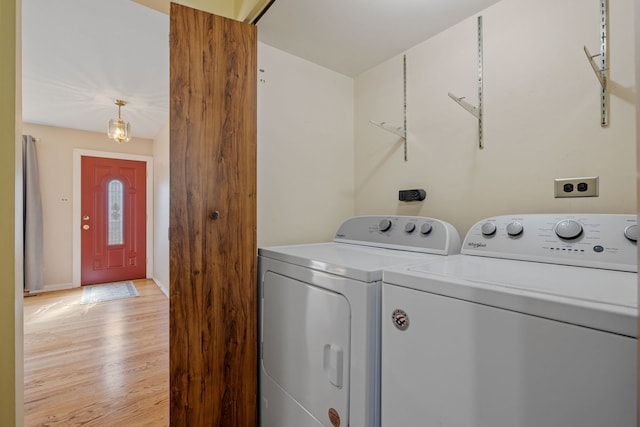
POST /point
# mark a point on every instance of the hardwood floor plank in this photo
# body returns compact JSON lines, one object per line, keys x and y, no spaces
{"x":104,"y":364}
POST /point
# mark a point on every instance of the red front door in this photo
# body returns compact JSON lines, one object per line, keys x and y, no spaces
{"x":114,"y":240}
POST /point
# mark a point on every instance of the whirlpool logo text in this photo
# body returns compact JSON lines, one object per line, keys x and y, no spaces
{"x":477,"y":245}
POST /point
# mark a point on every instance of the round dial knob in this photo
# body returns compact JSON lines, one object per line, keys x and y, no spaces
{"x":568,"y":229}
{"x":385,"y":224}
{"x":514,"y":228}
{"x":426,"y":228}
{"x":410,"y":227}
{"x":631,"y":233}
{"x":488,"y":228}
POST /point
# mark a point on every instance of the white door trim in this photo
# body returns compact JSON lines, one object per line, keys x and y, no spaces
{"x":77,"y":190}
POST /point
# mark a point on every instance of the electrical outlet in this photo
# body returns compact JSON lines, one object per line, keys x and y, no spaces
{"x":577,"y":187}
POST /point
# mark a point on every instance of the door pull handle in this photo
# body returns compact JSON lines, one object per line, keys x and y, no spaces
{"x":333,"y":364}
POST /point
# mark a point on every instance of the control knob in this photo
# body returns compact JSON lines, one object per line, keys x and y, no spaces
{"x":568,"y":229}
{"x":385,"y":224}
{"x":426,"y":228}
{"x":631,"y":233}
{"x":514,"y":229}
{"x":410,"y":227}
{"x":488,"y":228}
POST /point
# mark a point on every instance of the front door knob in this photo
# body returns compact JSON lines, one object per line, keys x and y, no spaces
{"x":85,"y":227}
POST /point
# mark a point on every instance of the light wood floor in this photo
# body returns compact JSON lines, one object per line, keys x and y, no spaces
{"x":104,"y":364}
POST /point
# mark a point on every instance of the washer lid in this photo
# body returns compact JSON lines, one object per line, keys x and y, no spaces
{"x":595,"y":298}
{"x":356,"y":262}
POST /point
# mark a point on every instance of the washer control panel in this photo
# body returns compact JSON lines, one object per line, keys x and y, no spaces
{"x":409,"y":233}
{"x":587,"y":240}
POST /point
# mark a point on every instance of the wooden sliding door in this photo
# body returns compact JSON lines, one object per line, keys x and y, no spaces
{"x":213,"y":320}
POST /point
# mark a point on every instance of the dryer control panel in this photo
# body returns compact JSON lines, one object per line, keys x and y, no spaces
{"x":407,"y":233}
{"x":588,"y":240}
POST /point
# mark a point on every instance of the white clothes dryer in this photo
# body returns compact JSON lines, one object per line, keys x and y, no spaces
{"x":533,"y":325}
{"x":319,"y":319}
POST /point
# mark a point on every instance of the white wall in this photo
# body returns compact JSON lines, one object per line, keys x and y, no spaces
{"x":541,"y":115}
{"x":305,"y":149}
{"x":161,"y":208}
{"x":55,"y":160}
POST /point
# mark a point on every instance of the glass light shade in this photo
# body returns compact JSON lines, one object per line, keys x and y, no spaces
{"x":119,"y":130}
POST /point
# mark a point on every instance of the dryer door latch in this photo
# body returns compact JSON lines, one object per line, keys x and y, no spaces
{"x":333,"y":364}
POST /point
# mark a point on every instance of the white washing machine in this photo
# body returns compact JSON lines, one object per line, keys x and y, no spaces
{"x":319,"y":319}
{"x":533,"y":325}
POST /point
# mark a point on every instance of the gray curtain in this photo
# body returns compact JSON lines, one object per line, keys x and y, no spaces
{"x":33,"y":229}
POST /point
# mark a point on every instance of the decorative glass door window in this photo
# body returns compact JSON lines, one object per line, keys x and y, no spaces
{"x":115,"y":199}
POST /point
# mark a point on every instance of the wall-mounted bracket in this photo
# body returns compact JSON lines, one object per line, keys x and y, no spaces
{"x":400,"y":131}
{"x":476,"y":111}
{"x":600,"y":73}
{"x":601,"y":70}
{"x":464,"y":104}
{"x":396,"y":130}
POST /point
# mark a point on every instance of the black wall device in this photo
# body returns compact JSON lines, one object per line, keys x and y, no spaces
{"x":412,"y":195}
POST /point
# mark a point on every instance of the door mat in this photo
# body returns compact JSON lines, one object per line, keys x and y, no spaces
{"x":108,"y":292}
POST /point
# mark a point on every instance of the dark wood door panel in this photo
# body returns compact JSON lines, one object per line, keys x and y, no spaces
{"x":213,"y":320}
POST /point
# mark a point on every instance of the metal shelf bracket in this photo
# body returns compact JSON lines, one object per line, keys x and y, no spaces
{"x":475,"y":111}
{"x":600,"y":73}
{"x":601,"y":70}
{"x":396,"y":130}
{"x":400,"y":131}
{"x":464,"y":104}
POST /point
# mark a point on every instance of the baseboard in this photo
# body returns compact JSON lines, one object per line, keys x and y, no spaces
{"x":163,"y":288}
{"x":57,"y":287}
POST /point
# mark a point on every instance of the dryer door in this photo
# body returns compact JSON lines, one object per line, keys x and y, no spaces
{"x":305,"y":334}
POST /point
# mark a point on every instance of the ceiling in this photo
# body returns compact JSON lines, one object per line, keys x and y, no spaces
{"x":351,"y":36}
{"x":81,"y":55}
{"x":78,"y":56}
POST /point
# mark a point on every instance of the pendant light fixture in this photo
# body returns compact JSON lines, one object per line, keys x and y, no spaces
{"x":119,"y":130}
